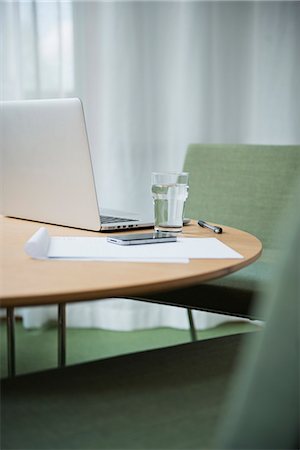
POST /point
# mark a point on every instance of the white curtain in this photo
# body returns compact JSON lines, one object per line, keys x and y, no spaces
{"x":153,"y":77}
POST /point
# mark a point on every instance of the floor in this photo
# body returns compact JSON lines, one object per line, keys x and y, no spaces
{"x":36,"y":349}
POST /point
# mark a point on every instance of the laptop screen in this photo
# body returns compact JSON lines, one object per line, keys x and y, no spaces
{"x":48,"y":174}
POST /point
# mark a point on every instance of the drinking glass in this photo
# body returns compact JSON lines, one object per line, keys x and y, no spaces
{"x":169,"y":192}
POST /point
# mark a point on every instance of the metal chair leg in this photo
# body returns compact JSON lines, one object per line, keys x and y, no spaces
{"x":192,"y":325}
{"x":61,"y":336}
{"x":11,"y":351}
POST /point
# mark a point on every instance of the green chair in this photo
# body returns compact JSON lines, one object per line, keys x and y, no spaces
{"x":235,"y":392}
{"x":264,"y":399}
{"x":246,"y":187}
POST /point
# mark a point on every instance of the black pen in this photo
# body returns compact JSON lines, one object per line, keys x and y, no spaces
{"x":215,"y":229}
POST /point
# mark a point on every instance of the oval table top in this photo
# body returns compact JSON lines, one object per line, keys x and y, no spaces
{"x":30,"y":282}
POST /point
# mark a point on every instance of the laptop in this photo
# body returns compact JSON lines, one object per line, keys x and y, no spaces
{"x":48,"y":173}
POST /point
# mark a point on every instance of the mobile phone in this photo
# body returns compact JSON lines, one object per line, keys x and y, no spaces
{"x":145,"y":238}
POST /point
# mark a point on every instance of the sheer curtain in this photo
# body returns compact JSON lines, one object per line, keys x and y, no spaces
{"x":153,"y":77}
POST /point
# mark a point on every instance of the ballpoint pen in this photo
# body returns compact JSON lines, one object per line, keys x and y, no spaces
{"x":214,"y":228}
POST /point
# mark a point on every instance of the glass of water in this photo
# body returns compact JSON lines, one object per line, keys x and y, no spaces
{"x":169,"y":192}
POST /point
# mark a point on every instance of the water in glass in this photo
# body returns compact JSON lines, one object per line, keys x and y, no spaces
{"x":169,"y":200}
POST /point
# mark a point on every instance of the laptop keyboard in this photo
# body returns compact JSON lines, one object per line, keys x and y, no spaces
{"x":110,"y":219}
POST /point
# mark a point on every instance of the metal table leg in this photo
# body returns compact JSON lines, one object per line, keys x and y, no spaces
{"x":11,"y":353}
{"x":61,"y":334}
{"x":192,"y":325}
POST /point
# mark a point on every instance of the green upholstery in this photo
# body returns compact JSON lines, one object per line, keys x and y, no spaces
{"x":243,"y":186}
{"x":246,"y":187}
{"x":265,"y":392}
{"x":151,"y":399}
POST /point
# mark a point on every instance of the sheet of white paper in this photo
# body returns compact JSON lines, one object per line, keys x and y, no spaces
{"x":97,"y":248}
{"x":38,"y":245}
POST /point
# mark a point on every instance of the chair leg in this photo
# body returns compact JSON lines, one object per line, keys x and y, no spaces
{"x":11,"y":351}
{"x":192,"y":325}
{"x":61,"y":335}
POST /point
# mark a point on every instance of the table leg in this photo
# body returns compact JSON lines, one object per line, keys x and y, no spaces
{"x":61,"y":334}
{"x":11,"y":354}
{"x":192,"y":325}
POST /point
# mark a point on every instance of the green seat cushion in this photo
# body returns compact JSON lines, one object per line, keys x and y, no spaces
{"x":168,"y":398}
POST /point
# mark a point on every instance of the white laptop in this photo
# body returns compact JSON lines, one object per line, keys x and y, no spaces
{"x":48,"y":174}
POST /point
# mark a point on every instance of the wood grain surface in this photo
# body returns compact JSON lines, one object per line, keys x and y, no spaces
{"x":26,"y":281}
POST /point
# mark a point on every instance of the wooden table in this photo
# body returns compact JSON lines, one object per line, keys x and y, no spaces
{"x":30,"y":282}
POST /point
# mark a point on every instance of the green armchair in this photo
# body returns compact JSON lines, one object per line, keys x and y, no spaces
{"x":246,"y":187}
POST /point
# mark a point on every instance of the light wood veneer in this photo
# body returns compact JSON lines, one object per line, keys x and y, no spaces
{"x":25,"y":281}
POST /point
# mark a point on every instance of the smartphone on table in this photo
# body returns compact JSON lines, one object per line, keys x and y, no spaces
{"x":144,"y":238}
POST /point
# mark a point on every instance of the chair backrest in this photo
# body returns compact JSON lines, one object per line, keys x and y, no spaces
{"x":244,"y":186}
{"x":263,"y":407}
